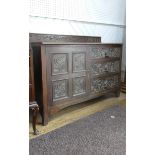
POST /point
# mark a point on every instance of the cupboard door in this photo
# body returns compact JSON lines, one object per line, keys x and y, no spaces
{"x":67,"y":73}
{"x":57,"y":76}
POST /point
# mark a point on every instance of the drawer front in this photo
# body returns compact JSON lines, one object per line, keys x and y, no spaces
{"x":104,"y":68}
{"x":105,"y":52}
{"x":102,"y":84}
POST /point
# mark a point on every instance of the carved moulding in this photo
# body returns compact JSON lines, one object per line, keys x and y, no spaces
{"x":99,"y":52}
{"x":33,"y":37}
{"x":98,"y":85}
{"x":103,"y":68}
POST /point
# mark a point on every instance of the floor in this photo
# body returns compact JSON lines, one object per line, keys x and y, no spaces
{"x":102,"y":133}
{"x":76,"y":112}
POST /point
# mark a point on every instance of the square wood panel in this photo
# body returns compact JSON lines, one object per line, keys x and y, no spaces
{"x":79,"y":62}
{"x":79,"y":85}
{"x":59,"y":63}
{"x":60,"y":89}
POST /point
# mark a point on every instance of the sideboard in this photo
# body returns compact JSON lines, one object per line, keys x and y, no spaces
{"x":70,"y":73}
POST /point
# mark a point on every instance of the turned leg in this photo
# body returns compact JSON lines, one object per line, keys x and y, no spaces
{"x":35,"y":113}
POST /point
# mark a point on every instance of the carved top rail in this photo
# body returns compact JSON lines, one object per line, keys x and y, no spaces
{"x":34,"y":37}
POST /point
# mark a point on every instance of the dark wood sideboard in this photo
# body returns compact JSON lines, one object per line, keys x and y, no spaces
{"x":70,"y":73}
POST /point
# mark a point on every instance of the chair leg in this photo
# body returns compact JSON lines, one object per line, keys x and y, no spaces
{"x":35,"y":113}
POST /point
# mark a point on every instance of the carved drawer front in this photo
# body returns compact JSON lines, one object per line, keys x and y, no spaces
{"x":99,"y":84}
{"x":102,"y":52}
{"x":60,"y":89}
{"x":59,"y":63}
{"x":106,"y":67}
{"x":79,"y":62}
{"x":79,"y":86}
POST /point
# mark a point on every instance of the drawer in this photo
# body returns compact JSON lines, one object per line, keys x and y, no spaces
{"x":105,"y":52}
{"x":103,"y":84}
{"x":104,"y":68}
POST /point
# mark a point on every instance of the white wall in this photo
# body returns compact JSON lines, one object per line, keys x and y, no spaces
{"x":98,"y":11}
{"x":108,"y":33}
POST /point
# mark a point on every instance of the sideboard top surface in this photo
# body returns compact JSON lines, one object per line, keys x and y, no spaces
{"x":75,"y":43}
{"x":71,"y":43}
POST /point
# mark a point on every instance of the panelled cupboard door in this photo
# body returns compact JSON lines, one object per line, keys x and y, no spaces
{"x":67,"y":73}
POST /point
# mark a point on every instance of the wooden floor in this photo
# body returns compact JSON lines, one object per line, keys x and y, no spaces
{"x":76,"y":112}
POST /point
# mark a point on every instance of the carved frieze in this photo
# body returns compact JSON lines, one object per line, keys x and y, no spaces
{"x":78,"y":61}
{"x":33,"y":37}
{"x":99,"y":52}
{"x":98,"y":85}
{"x":59,"y":63}
{"x":107,"y":67}
{"x":79,"y":85}
{"x":60,"y":89}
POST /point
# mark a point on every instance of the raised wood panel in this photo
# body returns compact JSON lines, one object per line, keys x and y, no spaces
{"x":79,"y":62}
{"x":59,"y":63}
{"x":60,"y":89}
{"x":79,"y":86}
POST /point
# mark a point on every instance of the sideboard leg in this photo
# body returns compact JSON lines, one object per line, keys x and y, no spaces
{"x":45,"y":119}
{"x":117,"y":93}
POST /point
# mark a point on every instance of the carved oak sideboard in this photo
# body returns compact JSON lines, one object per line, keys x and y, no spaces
{"x":70,"y":73}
